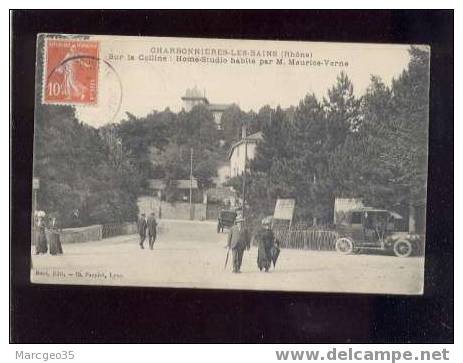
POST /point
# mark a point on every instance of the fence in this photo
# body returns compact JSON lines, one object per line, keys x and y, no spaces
{"x":81,"y":234}
{"x":307,"y":239}
{"x":118,"y":229}
{"x":96,"y":232}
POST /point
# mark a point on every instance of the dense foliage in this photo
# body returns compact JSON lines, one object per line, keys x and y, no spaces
{"x":373,"y":147}
{"x":162,"y":142}
{"x":85,"y":175}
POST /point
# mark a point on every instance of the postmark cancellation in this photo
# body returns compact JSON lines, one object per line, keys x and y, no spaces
{"x":71,"y":72}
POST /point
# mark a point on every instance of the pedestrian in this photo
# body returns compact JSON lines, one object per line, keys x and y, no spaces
{"x":141,"y":225}
{"x":152,"y":225}
{"x":41,"y":245}
{"x":55,"y":238}
{"x":265,"y":242}
{"x":238,"y":241}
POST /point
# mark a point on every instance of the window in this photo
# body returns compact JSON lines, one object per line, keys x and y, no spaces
{"x":356,"y":218}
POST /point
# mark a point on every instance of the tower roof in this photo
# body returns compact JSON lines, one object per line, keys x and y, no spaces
{"x":194,"y":94}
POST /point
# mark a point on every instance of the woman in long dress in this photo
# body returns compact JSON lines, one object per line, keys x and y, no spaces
{"x":41,"y":241}
{"x":55,"y":242}
{"x":265,"y":241}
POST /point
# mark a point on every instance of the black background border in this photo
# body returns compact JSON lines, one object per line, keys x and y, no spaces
{"x":83,"y":314}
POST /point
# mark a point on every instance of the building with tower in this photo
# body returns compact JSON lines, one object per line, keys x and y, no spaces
{"x":194,"y":97}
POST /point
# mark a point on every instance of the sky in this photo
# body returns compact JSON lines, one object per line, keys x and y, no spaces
{"x":140,"y":86}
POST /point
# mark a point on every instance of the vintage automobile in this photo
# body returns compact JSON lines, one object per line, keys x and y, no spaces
{"x":226,"y":219}
{"x":373,"y":229}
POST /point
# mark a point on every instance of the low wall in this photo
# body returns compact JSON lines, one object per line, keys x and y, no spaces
{"x":96,"y":232}
{"x":129,"y":228}
{"x":81,"y":234}
{"x":119,"y":229}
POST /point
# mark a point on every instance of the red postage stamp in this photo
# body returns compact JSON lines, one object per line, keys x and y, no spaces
{"x":71,"y":72}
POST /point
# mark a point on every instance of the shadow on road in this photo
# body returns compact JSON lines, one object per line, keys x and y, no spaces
{"x":284,"y":271}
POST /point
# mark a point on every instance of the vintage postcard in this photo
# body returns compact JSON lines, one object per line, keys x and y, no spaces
{"x":230,"y":164}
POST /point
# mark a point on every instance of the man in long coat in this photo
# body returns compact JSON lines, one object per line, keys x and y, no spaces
{"x":151,"y":224}
{"x":142,"y":225}
{"x":238,"y":241}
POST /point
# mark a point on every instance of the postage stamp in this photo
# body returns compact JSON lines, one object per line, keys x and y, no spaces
{"x":71,"y":72}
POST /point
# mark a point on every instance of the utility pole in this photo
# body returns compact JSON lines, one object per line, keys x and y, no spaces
{"x":34,"y":212}
{"x":35,"y":187}
{"x":191,"y":183}
{"x":244,"y":173}
{"x":314,"y":219}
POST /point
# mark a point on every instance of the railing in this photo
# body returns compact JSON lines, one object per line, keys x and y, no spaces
{"x":97,"y":232}
{"x":118,"y":229}
{"x":81,"y":234}
{"x":307,"y":239}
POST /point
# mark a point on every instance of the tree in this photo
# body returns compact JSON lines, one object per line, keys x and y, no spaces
{"x":356,"y":165}
{"x":329,"y":124}
{"x":268,"y":172}
{"x":308,"y":140}
{"x":204,"y":133}
{"x":342,"y":112}
{"x":276,"y":134}
{"x":251,"y":122}
{"x":385,"y":161}
{"x":263,"y":117}
{"x":409,"y":136}
{"x":232,"y":119}
{"x":79,"y":172}
{"x":139,"y":135}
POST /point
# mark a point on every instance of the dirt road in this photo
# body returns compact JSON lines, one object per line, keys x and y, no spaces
{"x":192,"y":254}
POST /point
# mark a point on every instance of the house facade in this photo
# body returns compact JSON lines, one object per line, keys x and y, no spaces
{"x":242,"y":150}
{"x":173,"y":201}
{"x":177,"y":191}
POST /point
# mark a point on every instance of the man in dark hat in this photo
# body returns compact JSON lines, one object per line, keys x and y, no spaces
{"x":238,"y":241}
{"x":141,"y":225}
{"x":152,"y":225}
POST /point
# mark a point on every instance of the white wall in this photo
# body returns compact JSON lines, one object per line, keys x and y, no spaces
{"x":223,"y":173}
{"x":237,"y":159}
{"x":218,"y":119}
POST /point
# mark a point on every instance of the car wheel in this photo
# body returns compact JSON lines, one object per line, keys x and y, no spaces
{"x":344,"y":245}
{"x":402,"y":248}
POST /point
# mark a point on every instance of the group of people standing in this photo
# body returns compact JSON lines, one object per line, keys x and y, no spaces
{"x":267,"y":246}
{"x":239,"y":240}
{"x":149,"y":225}
{"x":47,"y":236}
